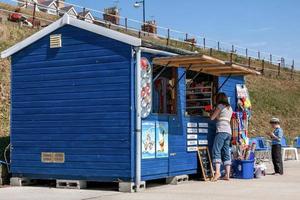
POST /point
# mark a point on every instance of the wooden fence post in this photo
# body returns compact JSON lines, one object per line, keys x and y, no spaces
{"x":33,"y":15}
{"x":279,"y":68}
{"x":271,"y":58}
{"x":218,"y":46}
{"x":210,"y":51}
{"x":263,"y":67}
{"x":57,"y":4}
{"x":232,"y":48}
{"x":204,"y":43}
{"x":126,"y":24}
{"x":246,"y":53}
{"x":249,"y":62}
{"x":231,"y":57}
{"x":168,"y":38}
{"x":292,"y":69}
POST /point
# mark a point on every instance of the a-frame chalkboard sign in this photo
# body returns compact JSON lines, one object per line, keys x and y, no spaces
{"x":205,"y":163}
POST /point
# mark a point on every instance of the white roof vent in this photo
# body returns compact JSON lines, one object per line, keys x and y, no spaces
{"x":55,"y":41}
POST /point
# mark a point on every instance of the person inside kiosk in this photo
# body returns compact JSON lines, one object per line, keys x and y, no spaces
{"x":200,"y":88}
{"x":199,"y":93}
{"x":164,"y":90}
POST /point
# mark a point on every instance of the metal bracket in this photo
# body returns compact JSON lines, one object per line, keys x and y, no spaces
{"x":228,"y":77}
{"x":191,"y":81}
{"x":158,"y":75}
{"x":182,"y":76}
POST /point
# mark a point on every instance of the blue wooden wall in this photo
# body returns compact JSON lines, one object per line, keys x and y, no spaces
{"x":230,"y":87}
{"x":76,"y":99}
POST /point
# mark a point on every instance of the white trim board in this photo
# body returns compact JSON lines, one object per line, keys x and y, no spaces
{"x":67,"y":20}
{"x":155,"y":51}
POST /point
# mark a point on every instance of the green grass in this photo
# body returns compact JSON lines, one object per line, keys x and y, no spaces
{"x":10,"y":34}
{"x":274,"y":98}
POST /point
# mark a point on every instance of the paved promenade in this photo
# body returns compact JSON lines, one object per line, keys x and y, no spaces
{"x":269,"y":187}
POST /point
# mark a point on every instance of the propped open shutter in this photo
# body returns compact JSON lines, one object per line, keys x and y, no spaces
{"x":205,"y":64}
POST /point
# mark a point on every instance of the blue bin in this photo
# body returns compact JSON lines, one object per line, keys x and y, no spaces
{"x":243,"y":169}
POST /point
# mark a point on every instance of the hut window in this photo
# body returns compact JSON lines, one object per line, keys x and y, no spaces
{"x":55,"y":41}
{"x":199,"y":93}
{"x":164,"y":90}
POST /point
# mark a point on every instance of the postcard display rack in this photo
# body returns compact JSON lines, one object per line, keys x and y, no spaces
{"x":194,"y":132}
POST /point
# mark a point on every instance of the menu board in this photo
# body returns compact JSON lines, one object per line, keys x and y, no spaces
{"x":206,"y":167}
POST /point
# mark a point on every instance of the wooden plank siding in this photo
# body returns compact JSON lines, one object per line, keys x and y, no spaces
{"x":230,"y":87}
{"x":77,"y":100}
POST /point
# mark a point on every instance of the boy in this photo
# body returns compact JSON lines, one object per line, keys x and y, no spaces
{"x":276,"y":137}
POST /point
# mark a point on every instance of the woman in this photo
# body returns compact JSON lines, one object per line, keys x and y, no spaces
{"x":221,"y":145}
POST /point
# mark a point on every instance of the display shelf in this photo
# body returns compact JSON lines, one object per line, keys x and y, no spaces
{"x":198,"y":93}
{"x":198,"y":97}
{"x":194,"y":107}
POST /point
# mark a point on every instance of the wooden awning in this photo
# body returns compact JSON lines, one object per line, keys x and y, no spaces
{"x":205,"y":64}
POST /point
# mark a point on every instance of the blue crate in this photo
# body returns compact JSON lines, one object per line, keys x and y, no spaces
{"x":243,"y":169}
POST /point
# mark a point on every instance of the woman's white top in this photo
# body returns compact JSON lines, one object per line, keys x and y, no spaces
{"x":224,"y":118}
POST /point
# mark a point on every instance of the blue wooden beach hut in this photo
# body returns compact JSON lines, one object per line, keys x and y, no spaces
{"x":77,"y":98}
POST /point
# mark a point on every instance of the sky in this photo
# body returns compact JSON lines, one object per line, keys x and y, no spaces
{"x":266,"y":25}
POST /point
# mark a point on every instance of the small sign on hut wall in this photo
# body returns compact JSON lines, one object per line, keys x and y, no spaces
{"x":162,"y":143}
{"x":203,"y":125}
{"x":192,"y":136}
{"x":202,"y":130}
{"x":148,"y":139}
{"x":192,"y":125}
{"x":192,"y":130}
{"x":192,"y":149}
{"x":52,"y":157}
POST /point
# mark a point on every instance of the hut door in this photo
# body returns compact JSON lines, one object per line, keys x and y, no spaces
{"x":176,"y":143}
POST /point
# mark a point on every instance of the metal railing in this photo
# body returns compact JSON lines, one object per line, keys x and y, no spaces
{"x":166,"y":36}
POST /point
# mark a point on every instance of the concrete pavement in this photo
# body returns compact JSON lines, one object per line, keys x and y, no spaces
{"x":284,"y":187}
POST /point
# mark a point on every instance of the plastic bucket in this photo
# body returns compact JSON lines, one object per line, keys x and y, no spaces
{"x":243,"y":169}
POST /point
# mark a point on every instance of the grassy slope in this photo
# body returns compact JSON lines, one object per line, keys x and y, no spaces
{"x":10,"y":33}
{"x":274,"y":97}
{"x":270,"y":96}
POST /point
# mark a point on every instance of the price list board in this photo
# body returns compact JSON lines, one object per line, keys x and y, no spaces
{"x":194,"y":130}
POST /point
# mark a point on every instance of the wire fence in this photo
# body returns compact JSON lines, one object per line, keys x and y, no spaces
{"x":264,"y":61}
